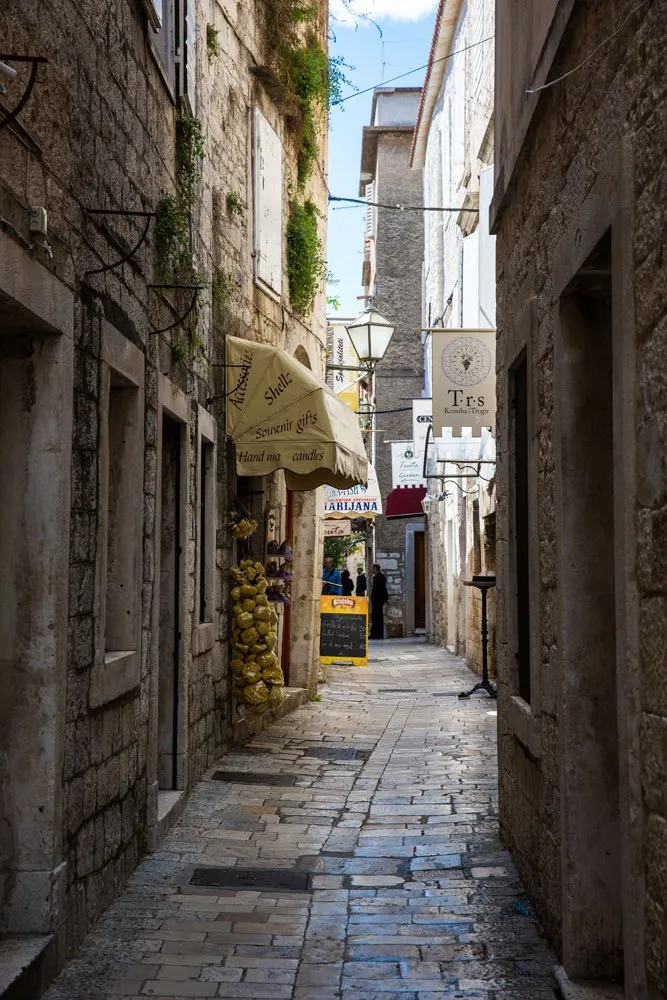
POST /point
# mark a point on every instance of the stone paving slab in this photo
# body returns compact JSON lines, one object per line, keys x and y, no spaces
{"x":412,"y":896}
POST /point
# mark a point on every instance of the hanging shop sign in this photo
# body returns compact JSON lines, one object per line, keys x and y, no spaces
{"x":344,"y":383}
{"x":422,"y":418}
{"x":344,"y":630}
{"x":360,"y":501}
{"x":464,"y":379}
{"x":406,"y":469}
{"x":339,"y":528}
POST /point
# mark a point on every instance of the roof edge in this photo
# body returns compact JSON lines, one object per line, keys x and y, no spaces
{"x":443,"y":34}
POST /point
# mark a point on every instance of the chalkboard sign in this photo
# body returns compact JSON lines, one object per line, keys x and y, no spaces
{"x":344,"y":630}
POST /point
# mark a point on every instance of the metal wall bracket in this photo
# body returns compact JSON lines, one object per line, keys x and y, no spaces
{"x":125,"y":214}
{"x":35,"y":62}
{"x":195,"y":289}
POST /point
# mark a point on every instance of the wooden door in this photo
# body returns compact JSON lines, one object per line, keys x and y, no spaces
{"x":420,"y":580}
{"x":287,"y":614}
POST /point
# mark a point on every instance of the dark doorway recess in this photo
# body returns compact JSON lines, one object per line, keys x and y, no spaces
{"x":521,"y":524}
{"x":169,"y":620}
{"x":592,"y":906}
{"x":420,"y":580}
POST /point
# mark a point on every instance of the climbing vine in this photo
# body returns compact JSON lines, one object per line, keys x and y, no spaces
{"x":311,"y":79}
{"x":223,"y":287}
{"x":189,"y":157}
{"x":235,"y":204}
{"x":305,"y":258}
{"x":212,"y":42}
{"x":173,"y":238}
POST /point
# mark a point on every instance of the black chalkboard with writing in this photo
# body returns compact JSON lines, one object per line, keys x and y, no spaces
{"x":343,"y":636}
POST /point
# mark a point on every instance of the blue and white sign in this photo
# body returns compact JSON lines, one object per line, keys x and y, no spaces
{"x":360,"y":501}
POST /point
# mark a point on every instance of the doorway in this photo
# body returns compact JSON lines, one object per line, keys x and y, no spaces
{"x":592,"y":907}
{"x":287,"y":611}
{"x":169,"y":667}
{"x":420,"y":581}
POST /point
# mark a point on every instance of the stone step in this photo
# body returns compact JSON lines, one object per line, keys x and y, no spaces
{"x":27,"y":964}
{"x":570,"y":990}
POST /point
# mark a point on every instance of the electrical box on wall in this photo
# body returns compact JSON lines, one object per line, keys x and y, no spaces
{"x":38,"y":220}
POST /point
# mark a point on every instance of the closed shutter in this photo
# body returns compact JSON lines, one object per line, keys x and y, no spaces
{"x":155,"y":13}
{"x":268,"y":189}
{"x":190,"y":80}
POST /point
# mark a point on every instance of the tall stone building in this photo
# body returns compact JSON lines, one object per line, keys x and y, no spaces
{"x":163,"y":120}
{"x":453,"y":145}
{"x":393,"y":251}
{"x":579,"y":210}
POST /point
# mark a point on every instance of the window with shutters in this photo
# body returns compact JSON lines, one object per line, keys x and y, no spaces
{"x":267,"y":204}
{"x":186,"y":47}
{"x":163,"y":37}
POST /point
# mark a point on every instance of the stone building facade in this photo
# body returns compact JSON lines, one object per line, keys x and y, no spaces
{"x":453,"y":145}
{"x":118,"y":479}
{"x":579,"y":211}
{"x":392,"y":279}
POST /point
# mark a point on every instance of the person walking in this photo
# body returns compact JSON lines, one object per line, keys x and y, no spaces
{"x":347,"y":582}
{"x":379,"y":598}
{"x":361,"y":585}
{"x":331,"y":581}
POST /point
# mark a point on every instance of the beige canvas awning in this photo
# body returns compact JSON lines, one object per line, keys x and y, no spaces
{"x":280,"y":416}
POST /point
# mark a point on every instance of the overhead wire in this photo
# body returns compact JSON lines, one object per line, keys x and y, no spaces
{"x":401,"y":208}
{"x":417,"y":69}
{"x":584,"y":62}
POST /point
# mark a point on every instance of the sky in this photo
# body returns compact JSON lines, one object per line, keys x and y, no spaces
{"x":407,"y":28}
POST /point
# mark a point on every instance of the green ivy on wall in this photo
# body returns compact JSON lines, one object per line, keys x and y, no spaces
{"x":305,"y":258}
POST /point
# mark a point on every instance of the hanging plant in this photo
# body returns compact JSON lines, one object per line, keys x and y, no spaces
{"x":311,"y":79}
{"x":305,"y":259}
{"x":212,"y":42}
{"x":189,"y":156}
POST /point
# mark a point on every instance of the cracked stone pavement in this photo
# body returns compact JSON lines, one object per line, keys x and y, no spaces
{"x":411,"y":898}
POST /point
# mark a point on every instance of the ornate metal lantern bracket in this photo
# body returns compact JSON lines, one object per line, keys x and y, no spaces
{"x":35,"y":62}
{"x":125,"y":214}
{"x":195,"y":289}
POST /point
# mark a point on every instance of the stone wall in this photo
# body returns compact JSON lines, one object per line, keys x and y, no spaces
{"x":100,"y":132}
{"x":591,"y":165}
{"x":399,"y":377}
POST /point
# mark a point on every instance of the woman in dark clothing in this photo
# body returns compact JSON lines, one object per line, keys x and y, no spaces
{"x":362,"y":586}
{"x":348,"y":585}
{"x":379,"y":598}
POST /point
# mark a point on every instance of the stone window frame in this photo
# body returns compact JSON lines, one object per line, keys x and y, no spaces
{"x":173,"y":402}
{"x":203,"y":632}
{"x":523,"y":718}
{"x":115,"y":673}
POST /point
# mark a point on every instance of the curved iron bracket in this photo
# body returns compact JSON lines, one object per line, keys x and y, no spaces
{"x":122,"y":260}
{"x":195,"y":289}
{"x":35,"y":60}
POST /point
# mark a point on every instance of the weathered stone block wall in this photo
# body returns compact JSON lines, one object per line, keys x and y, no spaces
{"x":99,"y":132}
{"x":400,"y":375}
{"x":618,"y":102}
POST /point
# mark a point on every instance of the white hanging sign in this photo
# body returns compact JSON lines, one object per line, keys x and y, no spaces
{"x":422,"y":410}
{"x":405,"y":467}
{"x":464,"y":378}
{"x":337,"y":529}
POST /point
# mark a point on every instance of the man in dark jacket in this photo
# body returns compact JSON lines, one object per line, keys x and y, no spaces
{"x":379,"y":598}
{"x":362,"y":586}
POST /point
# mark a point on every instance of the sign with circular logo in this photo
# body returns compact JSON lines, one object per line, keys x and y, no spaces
{"x":466,"y":361}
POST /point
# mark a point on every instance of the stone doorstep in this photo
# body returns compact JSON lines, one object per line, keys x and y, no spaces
{"x":569,"y":990}
{"x":27,"y":964}
{"x":245,"y":729}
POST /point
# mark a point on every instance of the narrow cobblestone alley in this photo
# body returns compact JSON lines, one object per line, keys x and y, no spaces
{"x":381,"y":800}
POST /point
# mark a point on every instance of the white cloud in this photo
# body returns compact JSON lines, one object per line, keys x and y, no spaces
{"x":393,"y":10}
